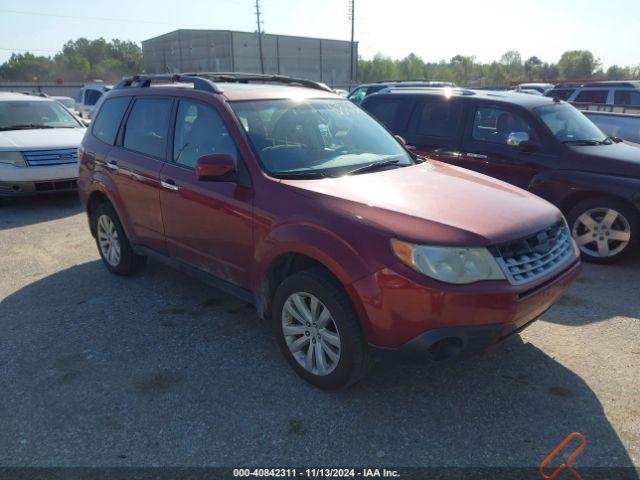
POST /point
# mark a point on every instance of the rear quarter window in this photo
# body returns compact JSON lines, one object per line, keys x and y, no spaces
{"x":561,"y":93}
{"x":105,"y":127}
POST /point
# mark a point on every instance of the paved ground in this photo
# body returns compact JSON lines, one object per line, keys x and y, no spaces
{"x":160,"y":369}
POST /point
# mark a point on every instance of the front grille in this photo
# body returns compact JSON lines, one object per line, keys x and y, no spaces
{"x":36,"y":158}
{"x":526,"y":260}
{"x":56,"y":186}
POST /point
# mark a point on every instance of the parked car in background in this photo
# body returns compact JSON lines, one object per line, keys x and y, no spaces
{"x":38,"y":145}
{"x":537,"y":143}
{"x":88,"y":96}
{"x":538,"y":87}
{"x":68,"y":102}
{"x":360,"y":92}
{"x":299,"y":202}
{"x":625,"y":92}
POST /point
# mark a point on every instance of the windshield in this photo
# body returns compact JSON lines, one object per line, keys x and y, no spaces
{"x":23,"y":114}
{"x":569,"y":125}
{"x":325,"y":137}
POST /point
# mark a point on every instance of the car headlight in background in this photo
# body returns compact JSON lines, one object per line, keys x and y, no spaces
{"x":12,"y":158}
{"x":449,"y":264}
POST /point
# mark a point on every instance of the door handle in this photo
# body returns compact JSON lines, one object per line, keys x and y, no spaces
{"x":477,"y":155}
{"x":169,"y":185}
{"x":112,"y":165}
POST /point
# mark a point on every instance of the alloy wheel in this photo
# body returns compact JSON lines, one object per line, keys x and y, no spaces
{"x":311,"y":333}
{"x":108,"y":240}
{"x":602,"y":232}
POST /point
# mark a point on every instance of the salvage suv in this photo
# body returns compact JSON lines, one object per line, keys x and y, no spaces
{"x":537,"y":143}
{"x":294,"y":199}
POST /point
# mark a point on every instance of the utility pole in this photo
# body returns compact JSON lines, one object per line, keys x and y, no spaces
{"x":258,"y":21}
{"x":352,"y":13}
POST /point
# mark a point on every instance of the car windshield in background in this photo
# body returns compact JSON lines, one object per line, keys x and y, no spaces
{"x":317,"y":137}
{"x":22,"y":115}
{"x":569,"y":125}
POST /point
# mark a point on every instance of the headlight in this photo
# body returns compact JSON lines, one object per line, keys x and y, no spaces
{"x":12,"y":158}
{"x":449,"y":264}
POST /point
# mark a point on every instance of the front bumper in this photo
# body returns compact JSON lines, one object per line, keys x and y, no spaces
{"x":405,"y":312}
{"x":22,"y":181}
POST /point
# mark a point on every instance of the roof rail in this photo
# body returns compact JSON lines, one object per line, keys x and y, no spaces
{"x":144,"y":81}
{"x":600,"y":83}
{"x":207,"y":80}
{"x":243,"y":77}
{"x":458,"y":90}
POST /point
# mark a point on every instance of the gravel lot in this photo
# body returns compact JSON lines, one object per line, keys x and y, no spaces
{"x":158,"y":369}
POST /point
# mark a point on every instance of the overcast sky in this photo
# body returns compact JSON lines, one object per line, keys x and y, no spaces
{"x":432,"y":29}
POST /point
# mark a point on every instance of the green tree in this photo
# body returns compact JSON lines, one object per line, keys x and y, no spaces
{"x":411,"y":68}
{"x":26,"y":67}
{"x":577,"y":65}
{"x":512,"y":60}
{"x":532,"y":68}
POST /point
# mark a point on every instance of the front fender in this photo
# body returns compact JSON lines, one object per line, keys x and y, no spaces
{"x":559,"y":186}
{"x":316,"y":242}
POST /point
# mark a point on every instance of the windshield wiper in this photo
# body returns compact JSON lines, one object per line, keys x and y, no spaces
{"x":309,"y":175}
{"x":27,"y":126}
{"x":372,"y":166}
{"x":584,"y":142}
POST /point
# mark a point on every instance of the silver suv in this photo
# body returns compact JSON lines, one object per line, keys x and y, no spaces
{"x":626,"y":93}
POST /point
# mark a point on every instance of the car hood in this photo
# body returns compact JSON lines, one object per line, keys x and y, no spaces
{"x":434,"y":203}
{"x":41,"y":139}
{"x":616,"y":159}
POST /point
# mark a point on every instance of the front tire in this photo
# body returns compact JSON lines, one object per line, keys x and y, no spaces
{"x":605,"y":229}
{"x":113,"y":244}
{"x":318,"y":330}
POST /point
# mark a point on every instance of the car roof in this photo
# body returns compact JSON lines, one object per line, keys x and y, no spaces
{"x":517,"y":98}
{"x":601,"y":84}
{"x":16,"y":96}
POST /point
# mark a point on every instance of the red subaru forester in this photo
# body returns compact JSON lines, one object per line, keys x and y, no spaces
{"x":296,"y":200}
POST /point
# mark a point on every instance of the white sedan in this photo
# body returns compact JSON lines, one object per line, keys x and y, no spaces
{"x":38,"y":146}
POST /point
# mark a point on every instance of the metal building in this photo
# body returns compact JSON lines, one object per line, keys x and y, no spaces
{"x":229,"y":51}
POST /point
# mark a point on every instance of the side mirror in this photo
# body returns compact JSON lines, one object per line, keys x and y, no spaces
{"x":516,"y":138}
{"x":215,"y":167}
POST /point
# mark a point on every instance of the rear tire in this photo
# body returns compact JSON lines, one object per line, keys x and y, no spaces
{"x":605,"y":229}
{"x":112,"y":242}
{"x":312,"y":313}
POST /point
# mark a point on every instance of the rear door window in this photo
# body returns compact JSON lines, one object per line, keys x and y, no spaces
{"x":385,"y":111}
{"x":147,"y":126}
{"x":105,"y":127}
{"x":436,"y":119}
{"x":627,"y":97}
{"x":495,"y":124}
{"x":592,"y":96}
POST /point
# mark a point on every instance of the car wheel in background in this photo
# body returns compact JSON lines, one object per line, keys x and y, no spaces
{"x":113,"y":245}
{"x":318,"y":331}
{"x":605,"y":229}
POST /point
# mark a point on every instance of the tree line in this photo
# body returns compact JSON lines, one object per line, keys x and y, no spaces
{"x":79,"y":60}
{"x":85,"y":60}
{"x":465,"y":70}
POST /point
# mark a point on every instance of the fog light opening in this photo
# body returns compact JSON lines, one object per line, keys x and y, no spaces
{"x":445,"y":349}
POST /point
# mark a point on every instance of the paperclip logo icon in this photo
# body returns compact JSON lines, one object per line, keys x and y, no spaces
{"x":569,"y":463}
